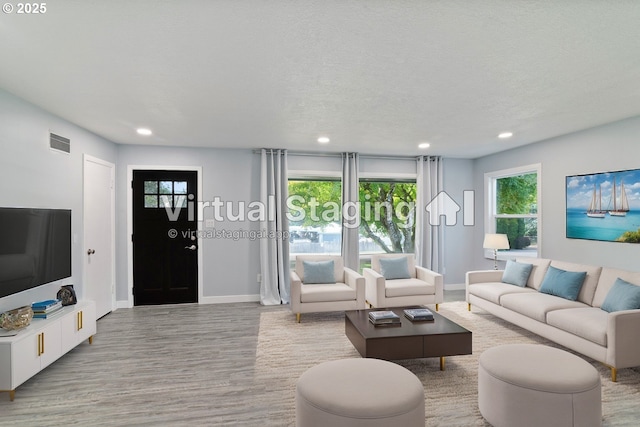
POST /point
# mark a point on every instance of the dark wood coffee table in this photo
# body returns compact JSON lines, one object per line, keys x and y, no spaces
{"x":411,"y":340}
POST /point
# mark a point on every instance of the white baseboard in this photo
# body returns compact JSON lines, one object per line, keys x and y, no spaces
{"x":209,"y":300}
{"x":122,"y":304}
{"x":454,"y":287}
{"x":229,"y":299}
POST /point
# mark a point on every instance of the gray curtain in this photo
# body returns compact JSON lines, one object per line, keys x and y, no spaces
{"x":274,"y":226}
{"x":429,"y":238}
{"x":350,"y":211}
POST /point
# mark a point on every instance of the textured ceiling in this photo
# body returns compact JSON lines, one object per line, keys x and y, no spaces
{"x":375,"y":76}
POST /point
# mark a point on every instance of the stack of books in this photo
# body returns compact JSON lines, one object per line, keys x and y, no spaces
{"x":386,"y":317}
{"x":417,"y":314}
{"x":44,"y":309}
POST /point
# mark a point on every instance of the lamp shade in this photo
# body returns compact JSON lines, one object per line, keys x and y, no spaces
{"x":495,"y":241}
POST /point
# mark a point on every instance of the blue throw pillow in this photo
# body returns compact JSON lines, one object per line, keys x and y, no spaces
{"x":561,"y":283}
{"x":622,"y":296}
{"x":516,"y":273}
{"x":394,"y":268}
{"x":318,"y":272}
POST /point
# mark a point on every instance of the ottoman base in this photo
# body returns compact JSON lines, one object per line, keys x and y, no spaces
{"x":534,"y":385}
{"x":359,"y":393}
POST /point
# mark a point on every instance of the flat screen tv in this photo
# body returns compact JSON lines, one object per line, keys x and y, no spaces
{"x":35,"y":248}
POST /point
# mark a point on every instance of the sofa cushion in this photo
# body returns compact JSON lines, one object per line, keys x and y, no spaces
{"x":536,"y":305}
{"x":318,"y":272}
{"x":588,"y":289}
{"x":608,"y":277}
{"x":589,"y":323}
{"x":408,"y":287}
{"x":327,"y":292}
{"x":492,"y":291}
{"x":538,"y":270}
{"x":394,"y":268}
{"x":622,"y":296}
{"x":562,"y":283}
{"x":516,"y":273}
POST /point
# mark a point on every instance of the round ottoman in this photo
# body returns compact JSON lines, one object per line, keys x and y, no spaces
{"x":359,"y":392}
{"x":535,"y":385}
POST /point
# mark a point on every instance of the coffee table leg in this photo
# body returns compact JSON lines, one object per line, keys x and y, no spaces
{"x":442,"y":363}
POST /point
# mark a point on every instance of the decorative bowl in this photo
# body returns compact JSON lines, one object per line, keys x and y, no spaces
{"x":17,"y":318}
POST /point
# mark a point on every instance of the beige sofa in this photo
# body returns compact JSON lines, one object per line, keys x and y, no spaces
{"x":581,"y":325}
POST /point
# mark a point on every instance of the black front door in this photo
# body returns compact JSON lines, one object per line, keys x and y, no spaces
{"x":165,"y":245}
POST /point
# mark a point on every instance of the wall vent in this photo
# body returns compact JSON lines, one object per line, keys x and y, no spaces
{"x":59,"y":143}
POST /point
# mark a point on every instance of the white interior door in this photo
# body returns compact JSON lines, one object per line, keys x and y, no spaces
{"x":99,"y":237}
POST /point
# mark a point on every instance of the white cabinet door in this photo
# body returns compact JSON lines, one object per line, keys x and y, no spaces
{"x":79,"y":325}
{"x":25,"y":358}
{"x":68,"y":327}
{"x":51,"y":344}
{"x":87,"y":321}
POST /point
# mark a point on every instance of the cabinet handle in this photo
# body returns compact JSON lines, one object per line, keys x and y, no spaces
{"x":41,"y":344}
{"x":79,"y":320}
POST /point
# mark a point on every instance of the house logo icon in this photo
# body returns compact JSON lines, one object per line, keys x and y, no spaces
{"x":444,"y":205}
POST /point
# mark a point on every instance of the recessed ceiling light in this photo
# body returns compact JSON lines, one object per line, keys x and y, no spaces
{"x":143,"y":131}
{"x":323,"y":140}
{"x":505,"y":135}
{"x":424,"y":145}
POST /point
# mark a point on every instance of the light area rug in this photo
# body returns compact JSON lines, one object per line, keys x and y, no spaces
{"x":287,"y":349}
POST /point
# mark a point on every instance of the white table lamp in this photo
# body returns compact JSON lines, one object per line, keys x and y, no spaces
{"x":495,"y":242}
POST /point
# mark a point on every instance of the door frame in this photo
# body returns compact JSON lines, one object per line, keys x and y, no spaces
{"x":130,"y":169}
{"x":112,"y":167}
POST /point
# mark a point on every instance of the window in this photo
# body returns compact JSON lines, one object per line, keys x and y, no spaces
{"x":315,"y":222}
{"x":386,"y":222}
{"x":165,"y":194}
{"x":387,"y":217}
{"x":513,"y":202}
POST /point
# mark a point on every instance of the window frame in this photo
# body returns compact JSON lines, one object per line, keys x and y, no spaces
{"x":490,"y":216}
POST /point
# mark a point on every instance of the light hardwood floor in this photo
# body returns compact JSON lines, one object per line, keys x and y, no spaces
{"x":162,"y":365}
{"x":158,"y":365}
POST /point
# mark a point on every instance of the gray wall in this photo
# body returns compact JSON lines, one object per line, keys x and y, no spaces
{"x":610,"y":147}
{"x":458,"y":250}
{"x":33,"y":175}
{"x":230,"y":266}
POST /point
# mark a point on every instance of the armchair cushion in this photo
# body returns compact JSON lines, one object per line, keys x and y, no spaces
{"x":338,"y":266}
{"x":411,"y":263}
{"x":327,"y":293}
{"x":318,"y":272}
{"x":408,"y":287}
{"x":394,"y":268}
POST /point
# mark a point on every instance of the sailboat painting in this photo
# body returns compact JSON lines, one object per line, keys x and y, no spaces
{"x":604,"y":206}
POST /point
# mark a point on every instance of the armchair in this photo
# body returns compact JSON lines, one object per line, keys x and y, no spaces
{"x":416,"y":286}
{"x":344,"y":291}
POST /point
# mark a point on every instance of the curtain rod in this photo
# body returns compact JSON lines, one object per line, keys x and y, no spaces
{"x":335,"y":154}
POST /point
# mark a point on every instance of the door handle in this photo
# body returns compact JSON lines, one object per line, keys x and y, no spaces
{"x":192,"y":247}
{"x":91,"y":251}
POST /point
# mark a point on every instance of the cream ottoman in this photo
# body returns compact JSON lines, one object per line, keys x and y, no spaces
{"x":535,"y":385}
{"x":359,"y":392}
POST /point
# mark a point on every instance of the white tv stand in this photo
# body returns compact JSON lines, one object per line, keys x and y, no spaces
{"x":43,"y":342}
